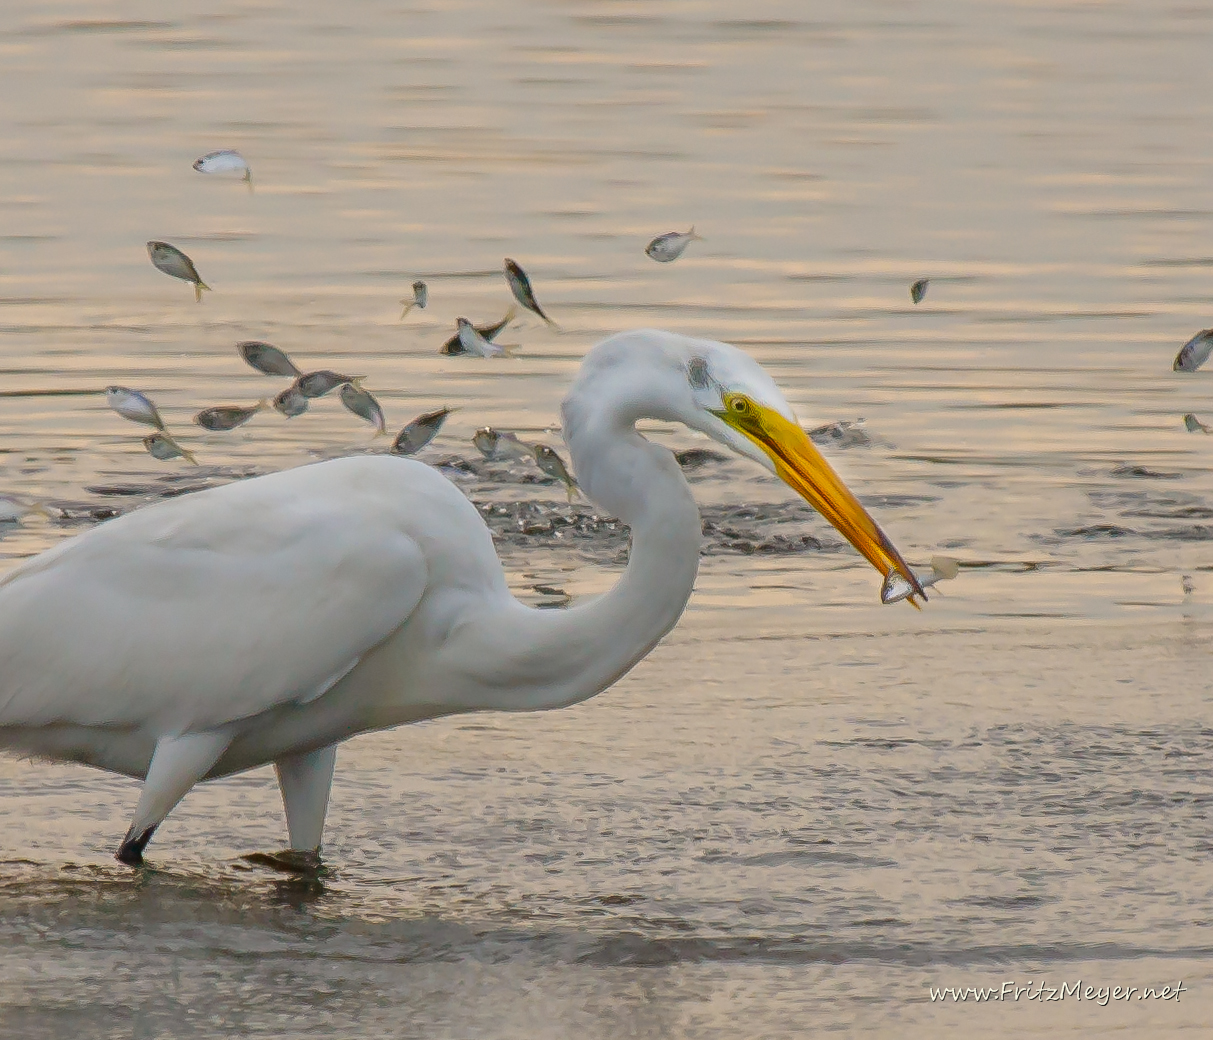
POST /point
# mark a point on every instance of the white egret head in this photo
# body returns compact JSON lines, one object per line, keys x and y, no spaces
{"x":723,"y":392}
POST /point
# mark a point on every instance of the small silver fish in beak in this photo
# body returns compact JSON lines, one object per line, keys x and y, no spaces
{"x":1195,"y":352}
{"x":172,"y":261}
{"x":161,"y":446}
{"x":895,"y":588}
{"x":421,"y":296}
{"x":131,"y":404}
{"x":417,"y":434}
{"x":291,"y":402}
{"x":553,"y":465}
{"x":668,"y":247}
{"x":363,"y":405}
{"x":225,"y":161}
{"x":919,"y":289}
{"x":228,"y":416}
{"x":500,"y":444}
{"x":317,"y":384}
{"x":267,"y":358}
{"x":520,"y":286}
{"x":1194,"y":425}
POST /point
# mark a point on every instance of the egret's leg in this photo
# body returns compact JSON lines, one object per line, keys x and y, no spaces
{"x":305,"y":781}
{"x":177,"y":764}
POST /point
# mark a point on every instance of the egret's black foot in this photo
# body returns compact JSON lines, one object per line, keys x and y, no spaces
{"x":130,"y":851}
{"x":305,"y":862}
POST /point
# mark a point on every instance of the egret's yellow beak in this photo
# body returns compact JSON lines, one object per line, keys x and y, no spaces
{"x":802,"y":466}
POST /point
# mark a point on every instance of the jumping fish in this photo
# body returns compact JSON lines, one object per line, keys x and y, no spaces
{"x":291,"y":402}
{"x":225,"y":161}
{"x":228,"y":416}
{"x":553,"y":465}
{"x":669,"y":246}
{"x":896,"y":588}
{"x":317,"y":384}
{"x":267,"y":358}
{"x":417,"y":434}
{"x":474,"y":343}
{"x":363,"y":405}
{"x":131,"y":404}
{"x":454,"y":346}
{"x":172,"y":261}
{"x":1195,"y":352}
{"x":495,"y":444}
{"x":919,"y":289}
{"x":421,"y":296}
{"x":520,"y":286}
{"x":161,"y":446}
{"x":1194,"y":425}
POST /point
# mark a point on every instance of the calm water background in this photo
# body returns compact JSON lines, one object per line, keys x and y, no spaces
{"x":803,"y":809}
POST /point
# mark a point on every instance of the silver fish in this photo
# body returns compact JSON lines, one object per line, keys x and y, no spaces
{"x":131,"y":404}
{"x":172,"y":261}
{"x":225,"y":161}
{"x":317,"y":384}
{"x":553,"y":465}
{"x":162,"y":446}
{"x":421,"y":296}
{"x":417,"y":434}
{"x":669,"y":246}
{"x":499,"y":444}
{"x":520,"y":286}
{"x":453,"y":346}
{"x":363,"y":405}
{"x":228,"y":416}
{"x":896,"y":588}
{"x":1195,"y":352}
{"x":1194,"y":425}
{"x":267,"y":358}
{"x":291,"y":402}
{"x":475,"y":344}
{"x":918,"y":290}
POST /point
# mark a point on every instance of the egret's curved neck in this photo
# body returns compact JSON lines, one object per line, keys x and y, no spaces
{"x":551,"y":658}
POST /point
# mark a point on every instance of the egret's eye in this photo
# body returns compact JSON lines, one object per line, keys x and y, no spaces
{"x":739,"y":405}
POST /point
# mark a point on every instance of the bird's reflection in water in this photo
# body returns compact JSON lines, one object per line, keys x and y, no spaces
{"x":297,"y":893}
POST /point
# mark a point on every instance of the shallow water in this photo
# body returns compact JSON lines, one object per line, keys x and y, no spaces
{"x":804,"y":809}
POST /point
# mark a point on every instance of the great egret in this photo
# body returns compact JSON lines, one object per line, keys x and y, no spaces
{"x":269,"y":619}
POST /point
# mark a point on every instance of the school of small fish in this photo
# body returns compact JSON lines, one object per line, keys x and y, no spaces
{"x":474,"y":341}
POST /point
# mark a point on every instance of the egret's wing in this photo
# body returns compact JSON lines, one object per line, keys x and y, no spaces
{"x":212,"y":607}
